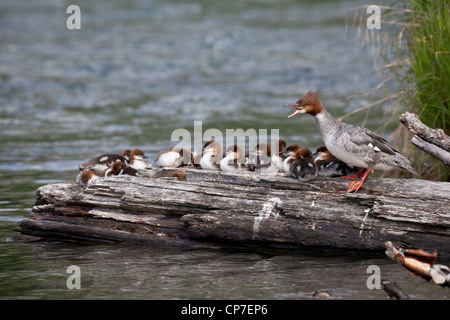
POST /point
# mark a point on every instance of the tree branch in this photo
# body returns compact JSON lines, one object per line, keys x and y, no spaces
{"x":433,"y":136}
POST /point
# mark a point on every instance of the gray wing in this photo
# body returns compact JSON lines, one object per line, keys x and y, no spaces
{"x":364,"y":137}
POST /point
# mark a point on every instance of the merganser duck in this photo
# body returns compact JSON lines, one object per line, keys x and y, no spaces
{"x":212,"y":155}
{"x":329,"y":166}
{"x":234,"y":160}
{"x":127,"y":154}
{"x":86,"y":177}
{"x":289,"y":156}
{"x":264,"y":160}
{"x":354,"y":145}
{"x":137,"y":160}
{"x":278,"y":157}
{"x":118,"y":169}
{"x":302,"y":166}
{"x":174,"y":159}
{"x":102,"y":162}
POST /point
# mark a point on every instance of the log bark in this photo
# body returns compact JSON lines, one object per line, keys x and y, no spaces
{"x":433,"y":136}
{"x":197,"y":208}
{"x":432,"y":141}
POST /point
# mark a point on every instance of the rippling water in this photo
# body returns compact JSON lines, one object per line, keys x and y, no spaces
{"x":136,"y":71}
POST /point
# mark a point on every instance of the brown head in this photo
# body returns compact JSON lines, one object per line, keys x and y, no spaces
{"x":87,"y":176}
{"x":126,"y":154}
{"x":322,"y":154}
{"x":303,"y":153}
{"x":309,"y":103}
{"x":281,"y":145}
{"x":115,"y":168}
{"x":137,"y":153}
{"x":291,"y":150}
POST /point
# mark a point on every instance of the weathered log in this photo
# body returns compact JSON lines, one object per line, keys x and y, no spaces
{"x":191,"y":207}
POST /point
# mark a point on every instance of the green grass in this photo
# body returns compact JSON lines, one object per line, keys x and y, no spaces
{"x":428,"y":47}
{"x":414,"y":47}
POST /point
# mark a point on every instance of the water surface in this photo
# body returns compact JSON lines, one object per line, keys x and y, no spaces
{"x":136,"y":71}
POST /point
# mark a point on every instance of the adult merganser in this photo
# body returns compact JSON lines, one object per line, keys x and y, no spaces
{"x":302,"y":167}
{"x":212,"y":155}
{"x":352,"y":144}
{"x":174,"y":159}
{"x":289,"y":156}
{"x":234,"y":160}
{"x":330,"y":166}
{"x":137,"y":160}
{"x":102,"y":162}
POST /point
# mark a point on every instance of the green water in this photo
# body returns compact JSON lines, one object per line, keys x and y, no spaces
{"x":136,"y":71}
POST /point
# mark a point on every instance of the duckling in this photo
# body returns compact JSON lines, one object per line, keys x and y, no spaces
{"x":233,"y":160}
{"x":86,"y":177}
{"x":303,"y":167}
{"x":102,"y":162}
{"x":212,"y":155}
{"x":137,"y":160}
{"x":174,"y":159}
{"x":289,"y":155}
{"x":263,"y":163}
{"x":119,"y":169}
{"x":330,"y":166}
{"x":278,"y":157}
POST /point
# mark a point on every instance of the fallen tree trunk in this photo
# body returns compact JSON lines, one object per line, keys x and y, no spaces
{"x":195,"y":208}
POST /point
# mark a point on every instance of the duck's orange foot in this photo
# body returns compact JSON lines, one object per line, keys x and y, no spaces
{"x":356,"y":175}
{"x":354,"y":186}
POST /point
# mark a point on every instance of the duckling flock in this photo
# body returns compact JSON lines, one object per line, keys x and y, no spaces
{"x":299,"y":162}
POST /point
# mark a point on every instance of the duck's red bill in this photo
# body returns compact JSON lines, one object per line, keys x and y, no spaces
{"x":295,"y":113}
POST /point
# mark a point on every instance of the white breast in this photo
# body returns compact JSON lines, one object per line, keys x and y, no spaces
{"x":168,"y":159}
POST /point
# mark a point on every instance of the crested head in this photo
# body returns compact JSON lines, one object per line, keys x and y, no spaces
{"x":309,"y":103}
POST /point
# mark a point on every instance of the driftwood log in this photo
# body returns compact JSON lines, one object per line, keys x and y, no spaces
{"x":432,"y":141}
{"x":196,"y":208}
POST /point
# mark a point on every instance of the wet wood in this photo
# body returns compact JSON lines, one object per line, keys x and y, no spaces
{"x":197,"y":208}
{"x":420,"y":263}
